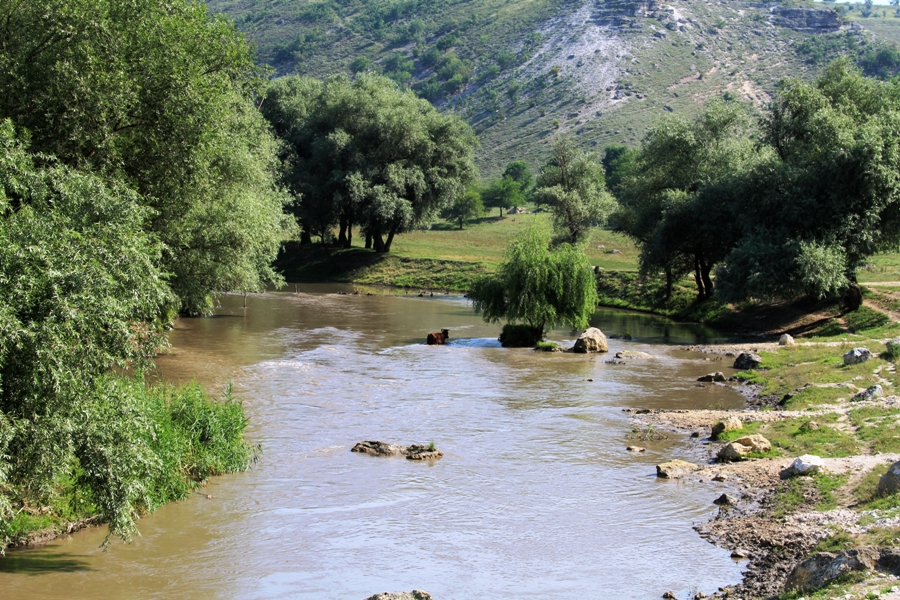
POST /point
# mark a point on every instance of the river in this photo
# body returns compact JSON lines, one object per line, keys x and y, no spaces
{"x":535,"y":497}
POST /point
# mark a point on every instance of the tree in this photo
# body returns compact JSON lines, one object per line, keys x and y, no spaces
{"x":80,"y":286}
{"x":163,"y":96}
{"x":519,"y":172}
{"x":617,"y":164}
{"x":538,"y":286}
{"x":362,"y":151}
{"x":661,"y":203}
{"x":468,"y":206}
{"x":503,"y":193}
{"x":574,"y":186}
{"x":827,"y":192}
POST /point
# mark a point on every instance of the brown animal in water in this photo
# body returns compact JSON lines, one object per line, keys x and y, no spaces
{"x":438,"y":339}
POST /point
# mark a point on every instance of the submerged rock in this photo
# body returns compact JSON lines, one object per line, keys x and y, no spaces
{"x":717,"y":376}
{"x":726,"y":425}
{"x":592,"y":340}
{"x":856,"y":356}
{"x":675,"y":469}
{"x":632,"y":355}
{"x":413,"y":595}
{"x":379,"y":449}
{"x":422,"y":453}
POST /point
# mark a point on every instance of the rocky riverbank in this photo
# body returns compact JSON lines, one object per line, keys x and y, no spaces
{"x":805,"y":401}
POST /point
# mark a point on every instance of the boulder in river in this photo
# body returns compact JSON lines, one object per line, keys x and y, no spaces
{"x":725,"y":500}
{"x":726,"y":425}
{"x":824,"y":567}
{"x":592,"y":340}
{"x":856,"y":356}
{"x":870,"y":393}
{"x":890,"y":481}
{"x":741,"y":447}
{"x":747,"y":360}
{"x":675,"y":469}
{"x":415,"y":452}
{"x":379,"y":449}
{"x":709,"y":377}
{"x":413,"y":595}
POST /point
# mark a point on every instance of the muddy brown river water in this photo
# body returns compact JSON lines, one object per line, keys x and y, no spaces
{"x":535,"y":497}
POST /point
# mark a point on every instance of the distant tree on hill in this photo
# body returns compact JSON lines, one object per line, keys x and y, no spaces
{"x":503,"y":193}
{"x":364,"y":152}
{"x":520,"y":173}
{"x":574,"y":186}
{"x":466,"y":207}
{"x":538,"y":286}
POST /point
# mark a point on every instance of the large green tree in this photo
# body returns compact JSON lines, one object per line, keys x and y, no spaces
{"x":662,"y":205}
{"x":162,"y":96}
{"x":574,"y":187}
{"x":364,"y":152}
{"x":503,"y":193}
{"x":827,"y":193}
{"x":538,"y":286}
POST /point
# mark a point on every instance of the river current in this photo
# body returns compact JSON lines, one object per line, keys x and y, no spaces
{"x":535,"y":497}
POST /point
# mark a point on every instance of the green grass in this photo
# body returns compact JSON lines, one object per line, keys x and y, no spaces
{"x":797,"y":492}
{"x":790,"y":438}
{"x":879,"y":428}
{"x":545,"y":346}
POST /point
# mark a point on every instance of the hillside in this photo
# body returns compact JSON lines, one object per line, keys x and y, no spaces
{"x":521,"y":71}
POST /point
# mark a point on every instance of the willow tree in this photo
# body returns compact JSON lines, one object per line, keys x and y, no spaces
{"x":162,"y":96}
{"x":364,"y":152}
{"x":538,"y":285}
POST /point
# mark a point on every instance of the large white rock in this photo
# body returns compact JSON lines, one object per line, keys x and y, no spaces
{"x":807,"y":465}
{"x":592,"y":340}
{"x":870,"y":393}
{"x":890,"y":481}
{"x":785,"y":340}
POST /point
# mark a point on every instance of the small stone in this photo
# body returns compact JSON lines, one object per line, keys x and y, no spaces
{"x":717,"y":376}
{"x":809,"y":426}
{"x":590,"y":379}
{"x":870,"y":393}
{"x":856,"y":356}
{"x":747,"y":360}
{"x":740,"y":553}
{"x":808,"y":464}
{"x":726,"y":425}
{"x":635,"y":449}
{"x":695,"y":434}
{"x":670,"y":596}
{"x":720,"y":477}
{"x":725,"y":500}
{"x":785,"y":340}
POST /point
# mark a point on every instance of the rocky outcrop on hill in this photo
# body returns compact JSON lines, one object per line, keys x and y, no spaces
{"x":807,"y":20}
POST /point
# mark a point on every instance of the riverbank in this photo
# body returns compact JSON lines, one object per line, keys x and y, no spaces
{"x":181,"y":436}
{"x":776,"y":520}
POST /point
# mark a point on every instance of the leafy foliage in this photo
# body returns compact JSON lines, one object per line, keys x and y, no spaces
{"x":538,"y":286}
{"x":161,"y":96}
{"x":364,"y":152}
{"x":574,"y":186}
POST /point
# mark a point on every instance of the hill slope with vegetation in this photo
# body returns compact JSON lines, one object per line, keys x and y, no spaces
{"x":521,"y":71}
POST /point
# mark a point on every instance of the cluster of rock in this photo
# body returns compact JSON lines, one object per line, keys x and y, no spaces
{"x":412,"y":452}
{"x":743,"y":446}
{"x":807,"y":20}
{"x":413,"y":595}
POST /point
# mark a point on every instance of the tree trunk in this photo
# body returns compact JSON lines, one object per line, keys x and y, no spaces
{"x":390,"y":237}
{"x":342,"y":232}
{"x":305,"y":237}
{"x":698,"y":279}
{"x":500,"y":210}
{"x":707,"y":280}
{"x":460,"y":223}
{"x":349,"y":235}
{"x":669,"y":283}
{"x":368,"y":239}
